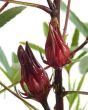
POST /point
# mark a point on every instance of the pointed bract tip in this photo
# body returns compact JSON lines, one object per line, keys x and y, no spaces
{"x":27,"y":44}
{"x":27,"y":48}
{"x":20,"y":54}
{"x":20,"y":50}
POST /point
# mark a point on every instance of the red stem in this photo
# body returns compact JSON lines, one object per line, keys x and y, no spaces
{"x":42,"y":7}
{"x":57,"y":4}
{"x":58,"y":72}
{"x":67,"y":17}
{"x":80,"y":47}
{"x":58,"y":89}
{"x":4,"y":6}
{"x":45,"y":105}
{"x":50,"y":4}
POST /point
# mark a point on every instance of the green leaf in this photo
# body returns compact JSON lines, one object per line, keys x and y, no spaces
{"x":6,"y":73}
{"x":83,"y":65}
{"x":68,"y":67}
{"x":9,"y":14}
{"x":72,"y":88}
{"x":35,"y":47}
{"x":78,"y":103}
{"x":45,"y":29}
{"x":4,"y":62}
{"x":81,"y":55}
{"x":26,"y":88}
{"x":75,"y":39}
{"x":86,"y":24}
{"x":15,"y":68}
{"x":75,"y":20}
{"x":13,"y":72}
{"x":74,"y":84}
{"x":14,"y":58}
{"x":77,"y":59}
{"x":72,"y":97}
{"x":16,"y":73}
{"x":69,"y":82}
{"x":15,"y":76}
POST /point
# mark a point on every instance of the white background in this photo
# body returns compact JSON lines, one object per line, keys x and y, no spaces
{"x":27,"y":26}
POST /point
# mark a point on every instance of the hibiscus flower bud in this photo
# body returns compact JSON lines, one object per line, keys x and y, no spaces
{"x":32,"y":75}
{"x":56,"y":51}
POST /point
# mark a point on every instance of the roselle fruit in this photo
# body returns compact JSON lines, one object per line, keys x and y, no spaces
{"x":32,"y":75}
{"x":56,"y":51}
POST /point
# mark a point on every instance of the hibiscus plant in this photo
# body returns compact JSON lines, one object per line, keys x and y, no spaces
{"x":56,"y":55}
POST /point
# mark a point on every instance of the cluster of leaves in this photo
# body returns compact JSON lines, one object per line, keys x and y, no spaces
{"x":13,"y":72}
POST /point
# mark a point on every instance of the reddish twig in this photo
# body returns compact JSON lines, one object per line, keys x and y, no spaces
{"x":76,"y":92}
{"x":4,"y":6}
{"x":51,"y":5}
{"x":67,"y":17}
{"x":80,"y":47}
{"x":57,"y":4}
{"x":47,"y":67}
{"x":42,"y":7}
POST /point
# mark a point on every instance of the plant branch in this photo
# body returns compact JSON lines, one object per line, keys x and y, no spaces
{"x":42,"y":7}
{"x":51,"y":5}
{"x":80,"y":47}
{"x":67,"y":17}
{"x":4,"y":6}
{"x":18,"y":96}
{"x":58,"y":89}
{"x":45,"y":105}
{"x":57,"y":4}
{"x":3,"y":90}
{"x":76,"y":92}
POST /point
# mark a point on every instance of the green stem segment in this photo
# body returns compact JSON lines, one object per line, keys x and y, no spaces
{"x":58,"y":89}
{"x":3,"y":90}
{"x":18,"y":96}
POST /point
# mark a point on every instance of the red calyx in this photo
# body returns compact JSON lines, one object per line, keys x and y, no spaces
{"x":33,"y":75}
{"x":56,"y":51}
